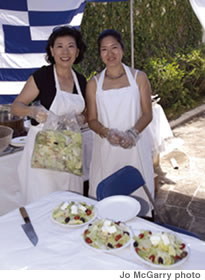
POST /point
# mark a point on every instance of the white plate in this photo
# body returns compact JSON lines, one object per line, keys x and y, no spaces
{"x":118,"y":208}
{"x":123,"y":226}
{"x":161,"y":266}
{"x":18,"y":141}
{"x":73,"y":225}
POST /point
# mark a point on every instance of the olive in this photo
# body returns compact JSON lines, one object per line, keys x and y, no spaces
{"x":183,"y":254}
{"x":135,"y":244}
{"x":126,"y":232}
{"x":160,"y":260}
{"x":82,"y":219}
{"x":67,"y":219}
{"x":109,"y":245}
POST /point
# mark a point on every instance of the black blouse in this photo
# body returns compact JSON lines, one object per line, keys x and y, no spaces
{"x":45,"y":81}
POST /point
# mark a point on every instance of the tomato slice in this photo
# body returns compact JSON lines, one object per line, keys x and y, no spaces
{"x":88,"y":212}
{"x":118,"y":237}
{"x":86,"y":231}
{"x":152,"y":258}
{"x":88,"y":240}
{"x":76,"y":217}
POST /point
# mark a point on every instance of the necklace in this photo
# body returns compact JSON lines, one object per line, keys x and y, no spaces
{"x":114,"y":77}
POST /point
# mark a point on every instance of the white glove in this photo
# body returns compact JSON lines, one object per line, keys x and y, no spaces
{"x":114,"y":136}
{"x":39,"y":113}
{"x":80,"y":119}
{"x":129,"y":139}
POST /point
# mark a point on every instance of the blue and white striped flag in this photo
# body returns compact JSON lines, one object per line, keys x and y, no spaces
{"x":25,"y":26}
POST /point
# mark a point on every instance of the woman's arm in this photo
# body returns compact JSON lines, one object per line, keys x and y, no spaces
{"x":92,"y":117}
{"x":146,"y":102}
{"x":27,"y":95}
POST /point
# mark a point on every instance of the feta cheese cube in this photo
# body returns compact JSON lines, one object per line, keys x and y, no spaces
{"x":107,"y":223}
{"x":112,"y":229}
{"x":81,"y":207}
{"x":64,"y":206}
{"x":155,"y":239}
{"x":104,"y":229}
{"x":74,"y":209}
{"x":165,"y":239}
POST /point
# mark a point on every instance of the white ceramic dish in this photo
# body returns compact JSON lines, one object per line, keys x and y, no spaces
{"x":74,"y":225}
{"x":161,"y":266}
{"x":123,"y":226}
{"x":18,"y":141}
{"x":118,"y":208}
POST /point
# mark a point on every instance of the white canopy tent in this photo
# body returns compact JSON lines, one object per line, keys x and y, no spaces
{"x":199,"y":8}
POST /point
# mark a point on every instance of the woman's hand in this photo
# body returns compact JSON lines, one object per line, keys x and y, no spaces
{"x":114,"y":136}
{"x":39,"y":113}
{"x":130,"y":138}
{"x":80,"y":119}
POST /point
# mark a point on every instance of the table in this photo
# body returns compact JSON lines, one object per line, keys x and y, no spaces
{"x":10,"y":196}
{"x":63,"y":248}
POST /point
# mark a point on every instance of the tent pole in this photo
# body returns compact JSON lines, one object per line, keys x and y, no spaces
{"x":131,"y":33}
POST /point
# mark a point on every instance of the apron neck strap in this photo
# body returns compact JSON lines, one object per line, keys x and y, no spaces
{"x":74,"y":78}
{"x":128,"y":73}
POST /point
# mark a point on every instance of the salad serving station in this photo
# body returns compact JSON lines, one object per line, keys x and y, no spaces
{"x":65,"y":230}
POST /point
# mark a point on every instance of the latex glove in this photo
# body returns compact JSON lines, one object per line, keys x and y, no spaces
{"x":39,"y":113}
{"x":80,"y":119}
{"x":114,"y":136}
{"x":130,"y":139}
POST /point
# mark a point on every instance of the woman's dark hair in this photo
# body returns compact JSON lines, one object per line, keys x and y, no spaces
{"x":65,"y":31}
{"x":110,"y":32}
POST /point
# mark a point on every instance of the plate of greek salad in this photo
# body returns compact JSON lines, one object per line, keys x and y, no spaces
{"x":73,"y":213}
{"x":106,"y":235}
{"x":162,"y":250}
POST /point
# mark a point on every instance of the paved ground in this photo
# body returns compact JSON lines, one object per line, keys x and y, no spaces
{"x":181,"y":192}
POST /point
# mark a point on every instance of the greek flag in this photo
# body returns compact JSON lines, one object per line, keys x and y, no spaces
{"x":25,"y":26}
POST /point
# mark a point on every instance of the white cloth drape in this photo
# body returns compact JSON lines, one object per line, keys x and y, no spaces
{"x":199,"y":8}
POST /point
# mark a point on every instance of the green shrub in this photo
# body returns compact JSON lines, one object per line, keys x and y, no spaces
{"x":179,"y":80}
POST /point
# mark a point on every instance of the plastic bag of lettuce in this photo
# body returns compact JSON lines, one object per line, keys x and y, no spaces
{"x":59,"y":145}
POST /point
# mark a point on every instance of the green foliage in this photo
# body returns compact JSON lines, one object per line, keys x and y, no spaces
{"x":167,"y":36}
{"x":178,"y":80}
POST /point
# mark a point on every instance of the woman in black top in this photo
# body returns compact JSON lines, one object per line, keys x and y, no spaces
{"x":59,"y":89}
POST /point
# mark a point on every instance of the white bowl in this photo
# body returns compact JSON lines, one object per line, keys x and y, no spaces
{"x":74,"y":225}
{"x":5,"y":137}
{"x":161,"y":266}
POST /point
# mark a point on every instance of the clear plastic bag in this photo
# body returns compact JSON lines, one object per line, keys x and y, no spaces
{"x":59,"y":145}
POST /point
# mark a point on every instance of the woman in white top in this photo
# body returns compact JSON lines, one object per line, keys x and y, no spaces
{"x":59,"y":89}
{"x":119,"y":109}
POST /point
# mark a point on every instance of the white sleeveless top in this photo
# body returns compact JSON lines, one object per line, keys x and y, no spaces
{"x":120,"y":109}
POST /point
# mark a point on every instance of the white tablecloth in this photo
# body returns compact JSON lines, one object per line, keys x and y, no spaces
{"x":160,"y":129}
{"x":62,"y":248}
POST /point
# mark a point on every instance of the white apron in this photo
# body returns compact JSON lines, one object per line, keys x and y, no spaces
{"x":120,"y":109}
{"x":35,"y":182}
